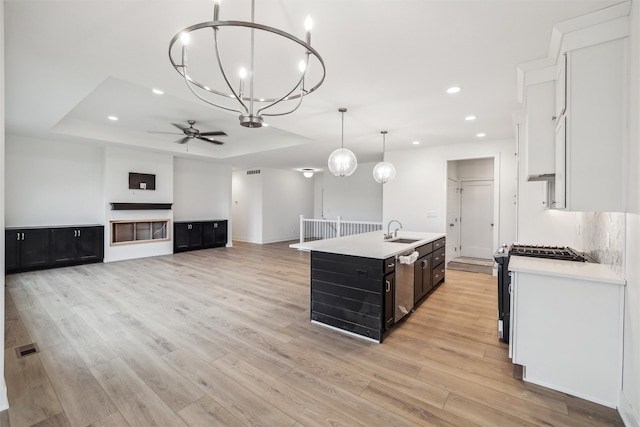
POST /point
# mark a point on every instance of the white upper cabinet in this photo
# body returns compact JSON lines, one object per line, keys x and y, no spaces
{"x":576,"y":98}
{"x":540,"y":127}
{"x":593,"y":135}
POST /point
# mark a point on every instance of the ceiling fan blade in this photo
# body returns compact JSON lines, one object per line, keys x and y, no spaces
{"x":209,"y":140}
{"x":183,"y":140}
{"x":214,"y":133}
{"x":182,"y":128}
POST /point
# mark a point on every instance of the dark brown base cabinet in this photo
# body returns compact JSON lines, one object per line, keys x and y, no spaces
{"x":193,"y":235}
{"x":49,"y":247}
{"x":429,"y":268}
{"x":353,"y":293}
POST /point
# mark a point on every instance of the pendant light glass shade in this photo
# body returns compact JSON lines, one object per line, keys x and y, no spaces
{"x":342,"y":162}
{"x":384,"y":172}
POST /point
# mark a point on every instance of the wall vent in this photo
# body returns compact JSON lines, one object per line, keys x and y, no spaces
{"x":253,"y":172}
{"x":26,"y":350}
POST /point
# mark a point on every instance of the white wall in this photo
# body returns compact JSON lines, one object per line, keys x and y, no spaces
{"x":4,"y":402}
{"x":266,"y":207}
{"x":285,"y":196}
{"x":118,"y":162}
{"x":630,"y":395}
{"x":246,"y":207}
{"x":355,"y":198}
{"x":318,"y":195}
{"x":52,"y":183}
{"x":201,"y":191}
{"x":417,"y":197}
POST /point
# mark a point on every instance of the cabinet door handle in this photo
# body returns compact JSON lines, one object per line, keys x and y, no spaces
{"x":215,"y":225}
{"x":78,"y":233}
{"x":437,"y":275}
{"x":17,"y":236}
{"x":424,"y":264}
{"x":22,"y":236}
{"x":388,"y":289}
{"x":391,"y":265}
{"x":75,"y":233}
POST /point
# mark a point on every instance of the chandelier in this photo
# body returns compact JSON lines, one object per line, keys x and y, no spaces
{"x":342,"y":162}
{"x":234,"y":95}
{"x":384,"y":172}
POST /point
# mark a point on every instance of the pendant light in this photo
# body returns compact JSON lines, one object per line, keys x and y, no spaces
{"x":384,"y":172}
{"x":342,"y":162}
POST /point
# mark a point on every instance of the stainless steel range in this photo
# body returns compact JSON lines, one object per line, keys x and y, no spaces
{"x":502,"y":256}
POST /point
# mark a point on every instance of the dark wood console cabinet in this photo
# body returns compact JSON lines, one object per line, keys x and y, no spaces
{"x":192,"y":235}
{"x":33,"y":248}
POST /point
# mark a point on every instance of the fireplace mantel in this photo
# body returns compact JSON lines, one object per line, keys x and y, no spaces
{"x":122,"y":206}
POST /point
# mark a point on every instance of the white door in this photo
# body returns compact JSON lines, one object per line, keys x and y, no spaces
{"x":476,"y":219}
{"x":453,"y":213}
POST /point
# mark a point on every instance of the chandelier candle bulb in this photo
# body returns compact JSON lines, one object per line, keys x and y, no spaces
{"x":308,"y":25}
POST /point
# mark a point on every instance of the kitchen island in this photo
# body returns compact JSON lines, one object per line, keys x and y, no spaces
{"x":358,"y":285}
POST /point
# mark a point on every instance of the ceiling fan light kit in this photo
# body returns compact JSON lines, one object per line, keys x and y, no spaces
{"x":342,"y":162}
{"x":384,"y":172}
{"x":251,"y":107}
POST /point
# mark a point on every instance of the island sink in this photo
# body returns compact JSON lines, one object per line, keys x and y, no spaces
{"x":401,"y":240}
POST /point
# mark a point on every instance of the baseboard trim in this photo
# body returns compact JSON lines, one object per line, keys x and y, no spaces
{"x":629,"y":418}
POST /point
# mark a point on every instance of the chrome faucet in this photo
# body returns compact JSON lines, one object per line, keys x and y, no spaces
{"x":395,"y":232}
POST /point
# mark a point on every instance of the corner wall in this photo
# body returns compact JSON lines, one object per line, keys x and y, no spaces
{"x":629,"y":407}
{"x":267,"y":206}
{"x":4,"y":402}
{"x":354,"y":198}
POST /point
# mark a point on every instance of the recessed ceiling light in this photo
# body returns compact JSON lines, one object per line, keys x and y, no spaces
{"x":481,"y":135}
{"x":416,"y":142}
{"x":114,"y":118}
{"x":469,"y":118}
{"x":454,"y":89}
{"x":158,"y":92}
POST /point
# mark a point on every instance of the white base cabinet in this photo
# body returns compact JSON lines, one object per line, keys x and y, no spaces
{"x":567,"y":334}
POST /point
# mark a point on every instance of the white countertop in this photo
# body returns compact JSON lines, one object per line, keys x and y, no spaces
{"x":369,"y":245}
{"x":570,"y":269}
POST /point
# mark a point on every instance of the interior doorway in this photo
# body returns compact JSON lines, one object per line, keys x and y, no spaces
{"x":470,"y":212}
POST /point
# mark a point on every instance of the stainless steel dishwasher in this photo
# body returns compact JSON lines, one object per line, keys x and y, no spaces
{"x":404,"y":283}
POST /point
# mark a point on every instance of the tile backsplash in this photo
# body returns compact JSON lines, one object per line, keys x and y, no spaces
{"x":602,"y":236}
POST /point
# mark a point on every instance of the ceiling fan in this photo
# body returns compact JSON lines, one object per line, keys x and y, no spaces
{"x":192,"y":133}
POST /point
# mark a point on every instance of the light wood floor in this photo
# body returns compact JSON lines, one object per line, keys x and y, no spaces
{"x":222,"y":337}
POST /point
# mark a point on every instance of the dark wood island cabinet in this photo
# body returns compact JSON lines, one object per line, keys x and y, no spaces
{"x":355,"y":285}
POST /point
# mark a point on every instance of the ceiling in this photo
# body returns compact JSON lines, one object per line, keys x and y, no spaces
{"x":70,"y":64}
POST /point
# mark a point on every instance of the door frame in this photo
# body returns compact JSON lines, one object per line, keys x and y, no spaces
{"x":496,"y":191}
{"x":448,"y":256}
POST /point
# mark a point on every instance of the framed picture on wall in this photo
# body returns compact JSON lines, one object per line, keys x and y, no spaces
{"x":142,"y":181}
